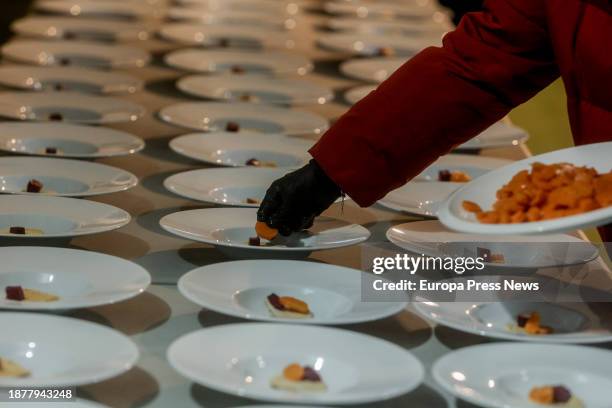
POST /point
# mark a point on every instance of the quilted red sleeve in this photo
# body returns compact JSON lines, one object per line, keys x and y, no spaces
{"x":494,"y":61}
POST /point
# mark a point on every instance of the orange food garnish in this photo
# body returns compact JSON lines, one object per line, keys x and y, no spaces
{"x":293,"y":372}
{"x":471,"y":206}
{"x":460,"y":177}
{"x":546,"y":192}
{"x":265,"y":232}
{"x":542,"y":395}
{"x":294,"y":305}
{"x":532,"y":326}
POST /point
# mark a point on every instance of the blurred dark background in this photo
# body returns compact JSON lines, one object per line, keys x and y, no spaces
{"x":9,"y":11}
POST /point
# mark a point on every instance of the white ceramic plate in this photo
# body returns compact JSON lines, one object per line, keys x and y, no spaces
{"x":354,"y":95}
{"x":369,"y":45}
{"x":62,"y":177}
{"x":500,"y":375}
{"x":82,"y":29}
{"x":225,"y":35}
{"x":500,"y":134}
{"x":57,"y":217}
{"x":255,"y":89}
{"x":333,"y":293}
{"x":229,"y":229}
{"x":79,"y":53}
{"x":61,"y":351}
{"x":214,"y":116}
{"x":424,"y":195}
{"x":355,"y":367}
{"x":211,"y":61}
{"x":258,"y":18}
{"x":227,"y":187}
{"x":391,"y":9}
{"x":80,"y":278}
{"x":414,"y":27}
{"x":68,"y":107}
{"x":131,"y":9}
{"x":33,"y":78}
{"x":573,"y":323}
{"x":371,"y":69}
{"x":272,"y":7}
{"x":71,"y":141}
{"x":520,"y":251}
{"x":235,"y":149}
{"x":482,"y":191}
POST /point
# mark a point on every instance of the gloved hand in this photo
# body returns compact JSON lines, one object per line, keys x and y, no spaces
{"x":293,"y":201}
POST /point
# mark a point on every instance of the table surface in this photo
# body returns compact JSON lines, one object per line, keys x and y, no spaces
{"x":161,"y":315}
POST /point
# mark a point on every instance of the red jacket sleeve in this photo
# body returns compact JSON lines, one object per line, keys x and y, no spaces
{"x":494,"y":61}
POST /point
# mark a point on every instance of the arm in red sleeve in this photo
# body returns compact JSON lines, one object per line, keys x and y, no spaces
{"x":494,"y":61}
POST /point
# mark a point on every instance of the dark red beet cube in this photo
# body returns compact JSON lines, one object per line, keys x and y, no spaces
{"x":51,"y":150}
{"x":561,"y":394}
{"x":253,"y":162}
{"x":521,"y":320}
{"x":17,"y":230}
{"x":56,"y":116}
{"x":14,"y":293}
{"x":254,"y":241}
{"x":34,"y":186}
{"x":232,"y":127}
{"x":444,"y":175}
{"x":275,"y":301}
{"x":311,"y":375}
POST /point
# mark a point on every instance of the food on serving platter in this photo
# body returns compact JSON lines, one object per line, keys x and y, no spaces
{"x":56,"y":116}
{"x":224,"y":42}
{"x":255,"y":241}
{"x":546,"y":192}
{"x":10,"y":368}
{"x":64,"y":61}
{"x":29,"y":295}
{"x":250,"y":200}
{"x":385,"y":52}
{"x":247,"y":97}
{"x":455,"y":176}
{"x":265,"y":232}
{"x":489,"y":256}
{"x":555,"y":395}
{"x":52,"y":150}
{"x":232,"y":127}
{"x":17,"y":230}
{"x":258,"y":163}
{"x":287,"y":307}
{"x":298,"y":378}
{"x":58,"y":87}
{"x":237,"y":69}
{"x":34,"y":186}
{"x":530,"y":323}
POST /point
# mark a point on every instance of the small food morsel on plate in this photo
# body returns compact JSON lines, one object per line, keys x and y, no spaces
{"x":530,"y":323}
{"x":17,"y":230}
{"x":34,"y":186}
{"x":489,"y":256}
{"x":264,"y":231}
{"x":255,"y":241}
{"x":51,"y":150}
{"x":10,"y":368}
{"x":258,"y":163}
{"x":64,"y":61}
{"x":251,"y":200}
{"x":287,"y":307}
{"x":56,"y":116}
{"x":20,"y":294}
{"x":58,"y":87}
{"x":237,"y":69}
{"x":546,"y":192}
{"x":298,"y":378}
{"x":247,"y":97}
{"x":385,"y":52}
{"x":556,"y":395}
{"x":454,"y":176}
{"x":232,"y":127}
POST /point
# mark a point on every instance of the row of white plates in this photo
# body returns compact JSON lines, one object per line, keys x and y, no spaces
{"x":382,"y":371}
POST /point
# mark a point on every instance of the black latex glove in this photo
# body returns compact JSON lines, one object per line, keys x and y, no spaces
{"x":293,"y":201}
